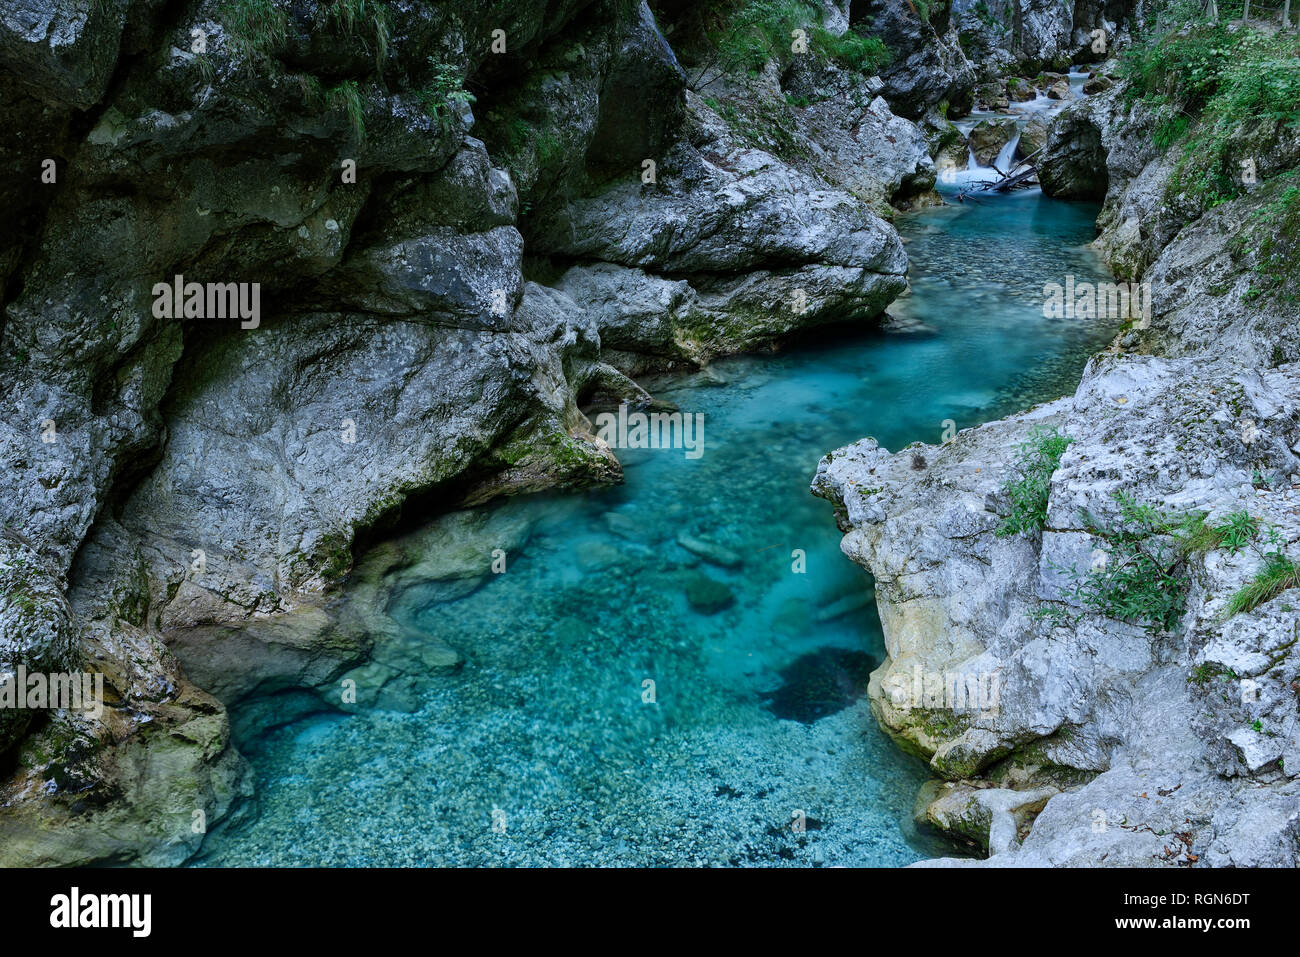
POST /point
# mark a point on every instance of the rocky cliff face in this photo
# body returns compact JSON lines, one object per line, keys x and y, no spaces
{"x":928,"y":65}
{"x":1027,"y":36}
{"x":442,"y":279}
{"x":1121,"y":734}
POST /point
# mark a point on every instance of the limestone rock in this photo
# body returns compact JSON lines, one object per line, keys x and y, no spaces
{"x":38,"y":631}
{"x":928,"y":65}
{"x":989,"y":137}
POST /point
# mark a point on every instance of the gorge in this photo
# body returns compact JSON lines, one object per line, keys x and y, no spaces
{"x":367,"y":585}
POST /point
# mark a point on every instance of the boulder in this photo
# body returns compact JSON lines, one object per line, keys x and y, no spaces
{"x":1033,"y":137}
{"x":928,"y":66}
{"x":989,"y":137}
{"x":1073,"y":163}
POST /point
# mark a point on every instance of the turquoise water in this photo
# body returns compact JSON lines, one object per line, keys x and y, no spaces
{"x":541,"y":749}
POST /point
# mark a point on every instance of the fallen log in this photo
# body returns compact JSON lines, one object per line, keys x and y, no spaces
{"x":1021,"y":176}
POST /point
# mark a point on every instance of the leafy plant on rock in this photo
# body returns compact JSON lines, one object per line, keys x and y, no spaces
{"x":1038,"y":459}
{"x":445,"y":95}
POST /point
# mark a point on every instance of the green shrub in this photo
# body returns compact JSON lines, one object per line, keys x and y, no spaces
{"x":1038,"y":459}
{"x":853,"y":51}
{"x":1169,"y":131}
{"x":444,"y":92}
{"x":1142,"y":577}
{"x":1224,"y":96}
{"x":1180,"y":67}
{"x":1273,"y":234}
{"x":1139,"y":579}
{"x":1204,"y":673}
{"x":744,"y":36}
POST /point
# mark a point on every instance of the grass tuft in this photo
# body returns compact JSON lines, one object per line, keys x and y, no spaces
{"x":257,"y":28}
{"x":349,"y":16}
{"x":1278,"y":574}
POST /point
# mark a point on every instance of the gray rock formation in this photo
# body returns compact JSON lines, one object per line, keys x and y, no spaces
{"x":187,"y":491}
{"x":37,"y":630}
{"x":989,"y":137}
{"x":1028,"y":36}
{"x":928,"y":65}
{"x":1157,"y":740}
{"x":1129,"y":710}
{"x":1033,"y":137}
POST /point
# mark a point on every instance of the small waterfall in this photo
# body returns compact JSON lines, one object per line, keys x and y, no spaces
{"x":1006,"y":155}
{"x":975,"y":173}
{"x":957,"y":180}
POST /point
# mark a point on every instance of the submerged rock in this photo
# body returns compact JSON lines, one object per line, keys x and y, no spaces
{"x":711,"y":552}
{"x":846,"y":605}
{"x":820,"y":683}
{"x":707,"y":595}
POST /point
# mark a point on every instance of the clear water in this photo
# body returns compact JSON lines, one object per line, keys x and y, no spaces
{"x":544,"y":731}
